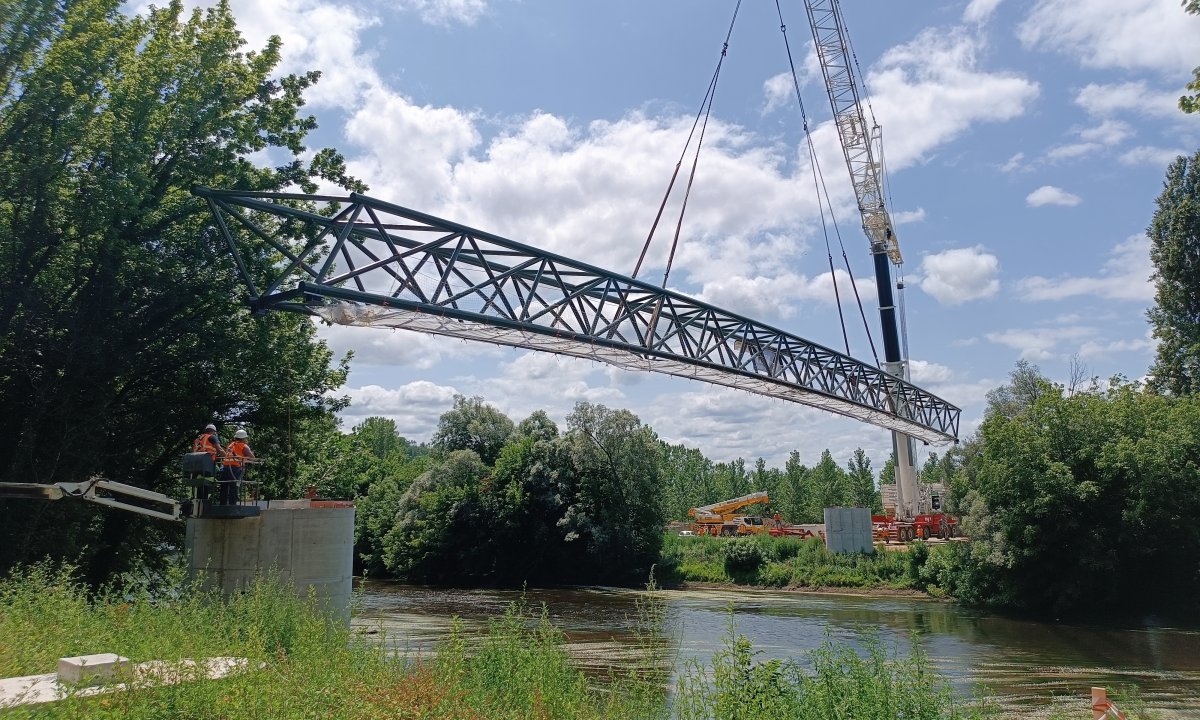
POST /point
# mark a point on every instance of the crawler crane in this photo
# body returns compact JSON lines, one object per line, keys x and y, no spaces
{"x":913,"y":515}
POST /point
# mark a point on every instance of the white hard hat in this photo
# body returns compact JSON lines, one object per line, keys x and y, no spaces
{"x":240,"y":434}
{"x":210,"y":426}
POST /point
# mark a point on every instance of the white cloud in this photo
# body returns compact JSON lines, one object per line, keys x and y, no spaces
{"x":1050,"y":195}
{"x":1040,"y":343}
{"x":956,"y":276}
{"x":779,"y":92}
{"x":931,"y":90}
{"x":1069,"y":152}
{"x":1135,"y":97}
{"x":925,"y":373}
{"x":554,"y":383}
{"x":1147,"y":155}
{"x":415,"y":406}
{"x":904,"y":217}
{"x":316,"y":35}
{"x":1125,"y":276}
{"x":979,"y":11}
{"x":759,"y":297}
{"x":1125,"y":34}
{"x":728,"y":424}
{"x":398,"y":348}
{"x":1016,"y":163}
{"x":446,"y":12}
{"x":1094,"y":350}
{"x":1094,"y":140}
{"x":1109,"y":132}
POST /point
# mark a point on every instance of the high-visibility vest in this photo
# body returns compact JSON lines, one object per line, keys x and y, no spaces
{"x":207,"y":443}
{"x":236,"y":453}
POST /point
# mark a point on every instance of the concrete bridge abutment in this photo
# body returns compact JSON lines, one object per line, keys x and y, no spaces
{"x":307,"y":543}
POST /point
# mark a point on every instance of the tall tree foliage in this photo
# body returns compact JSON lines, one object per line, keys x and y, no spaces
{"x":121,"y":327}
{"x":1191,"y":103}
{"x":1081,"y":502}
{"x":1175,"y":251}
{"x":860,"y":482}
{"x":474,"y":425}
{"x":585,"y":506}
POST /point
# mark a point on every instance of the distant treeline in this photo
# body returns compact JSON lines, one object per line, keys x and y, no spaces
{"x":490,"y":500}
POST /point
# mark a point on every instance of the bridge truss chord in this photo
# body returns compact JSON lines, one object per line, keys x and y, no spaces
{"x":371,"y":263}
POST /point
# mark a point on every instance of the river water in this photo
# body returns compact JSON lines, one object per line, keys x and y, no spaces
{"x":1029,"y":668}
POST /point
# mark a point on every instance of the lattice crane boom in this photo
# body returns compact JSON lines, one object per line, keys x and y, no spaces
{"x":862,"y":150}
{"x":860,"y":141}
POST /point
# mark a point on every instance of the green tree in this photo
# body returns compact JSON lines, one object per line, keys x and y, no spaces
{"x":1191,"y":103}
{"x":887,"y":473}
{"x":796,"y":501}
{"x":616,"y":512}
{"x":378,"y":435}
{"x":440,"y":524}
{"x":538,"y":426}
{"x":860,"y":481}
{"x":1081,"y":500}
{"x":474,"y":425}
{"x":687,"y":480}
{"x":1175,"y":251}
{"x":375,"y":513}
{"x":121,"y":331}
{"x":829,"y":484}
{"x":1025,"y":385}
{"x":730,"y":480}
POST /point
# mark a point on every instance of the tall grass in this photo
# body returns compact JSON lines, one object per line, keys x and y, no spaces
{"x":842,"y":683}
{"x":303,"y":666}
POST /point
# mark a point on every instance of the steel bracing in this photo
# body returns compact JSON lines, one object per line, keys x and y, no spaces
{"x":368,"y":262}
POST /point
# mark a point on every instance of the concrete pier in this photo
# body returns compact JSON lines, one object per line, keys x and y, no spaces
{"x":309,"y":543}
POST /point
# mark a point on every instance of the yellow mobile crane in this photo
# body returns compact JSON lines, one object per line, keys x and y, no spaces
{"x":722,"y":518}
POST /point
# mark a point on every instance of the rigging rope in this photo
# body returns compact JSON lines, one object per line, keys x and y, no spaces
{"x":704,"y":112}
{"x":823,"y":189}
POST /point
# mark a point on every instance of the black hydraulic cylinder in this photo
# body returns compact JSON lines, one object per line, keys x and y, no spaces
{"x":887,"y":308}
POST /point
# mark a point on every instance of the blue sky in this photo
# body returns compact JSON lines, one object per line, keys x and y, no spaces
{"x":1026,"y":141}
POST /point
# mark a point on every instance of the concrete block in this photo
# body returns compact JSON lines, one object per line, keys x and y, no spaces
{"x":91,"y":669}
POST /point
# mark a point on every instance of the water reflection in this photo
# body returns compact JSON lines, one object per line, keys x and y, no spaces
{"x":1031,"y":667}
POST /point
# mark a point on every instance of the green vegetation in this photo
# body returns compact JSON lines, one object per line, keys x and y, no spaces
{"x":1078,"y":500}
{"x":121,"y":332}
{"x":1174,"y":244}
{"x":303,"y":667}
{"x":502,"y":503}
{"x":1191,"y":103}
{"x":793,"y":563}
{"x":841,"y":684}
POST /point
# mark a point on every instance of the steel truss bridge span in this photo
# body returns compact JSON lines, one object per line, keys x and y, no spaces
{"x":371,"y":263}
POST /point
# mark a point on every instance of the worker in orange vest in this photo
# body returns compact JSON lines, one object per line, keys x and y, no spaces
{"x":208,"y":442}
{"x":233,"y":468}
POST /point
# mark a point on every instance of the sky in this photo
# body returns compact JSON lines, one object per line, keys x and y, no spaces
{"x":1025,"y":143}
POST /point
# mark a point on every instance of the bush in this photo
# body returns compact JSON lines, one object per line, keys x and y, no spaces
{"x":742,"y":556}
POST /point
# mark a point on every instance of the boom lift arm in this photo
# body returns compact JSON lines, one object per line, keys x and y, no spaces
{"x":103,"y":492}
{"x":862,"y":149}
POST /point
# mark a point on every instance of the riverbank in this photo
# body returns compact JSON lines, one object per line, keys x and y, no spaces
{"x":784,"y":563}
{"x":304,"y":667}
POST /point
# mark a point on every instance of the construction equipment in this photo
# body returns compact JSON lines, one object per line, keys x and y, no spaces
{"x":863,"y":151}
{"x":722,"y":518}
{"x":198,"y":468}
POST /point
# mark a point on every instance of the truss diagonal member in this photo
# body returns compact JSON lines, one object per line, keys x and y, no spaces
{"x":474,"y":285}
